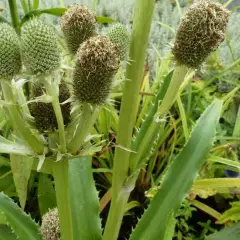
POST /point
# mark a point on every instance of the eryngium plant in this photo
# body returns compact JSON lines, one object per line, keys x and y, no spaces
{"x":78,"y":24}
{"x":10,"y":58}
{"x":97,"y":62}
{"x":44,"y":114}
{"x":200,"y":32}
{"x":50,"y":229}
{"x":40,"y":50}
{"x":119,"y":35}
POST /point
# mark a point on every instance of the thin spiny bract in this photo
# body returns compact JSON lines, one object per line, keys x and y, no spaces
{"x":40,"y":50}
{"x":97,"y":62}
{"x":78,"y":24}
{"x":43,"y":113}
{"x":10,"y":58}
{"x":50,"y":228}
{"x":200,"y":32}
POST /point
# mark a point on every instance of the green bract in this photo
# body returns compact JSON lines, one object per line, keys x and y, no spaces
{"x":10,"y":58}
{"x":78,"y":24}
{"x":200,"y":32}
{"x":119,"y":35}
{"x":43,"y":113}
{"x":50,"y":228}
{"x":40,"y":49}
{"x":97,"y":62}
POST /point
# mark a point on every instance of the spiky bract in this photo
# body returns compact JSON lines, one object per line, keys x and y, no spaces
{"x":40,"y":50}
{"x":45,"y":119}
{"x":97,"y":62}
{"x":78,"y":24}
{"x":10,"y":58}
{"x":50,"y":228}
{"x":200,"y":32}
{"x":119,"y":35}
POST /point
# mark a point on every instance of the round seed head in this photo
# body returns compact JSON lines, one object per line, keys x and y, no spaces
{"x":97,"y":62}
{"x":50,"y":229}
{"x":78,"y":24}
{"x":40,"y":48}
{"x":10,"y":58}
{"x":119,"y":35}
{"x":200,"y":32}
{"x":43,"y":113}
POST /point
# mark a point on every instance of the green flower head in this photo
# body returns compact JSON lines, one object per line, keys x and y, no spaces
{"x":40,"y":50}
{"x":200,"y":32}
{"x":10,"y":58}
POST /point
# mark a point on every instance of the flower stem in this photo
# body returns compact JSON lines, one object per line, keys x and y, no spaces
{"x":19,"y":124}
{"x":61,"y":180}
{"x":87,"y":119}
{"x":14,"y":14}
{"x":139,"y":40}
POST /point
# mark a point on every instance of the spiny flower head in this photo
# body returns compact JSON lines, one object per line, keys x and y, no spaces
{"x":50,"y":228}
{"x":43,"y":113}
{"x":119,"y":35}
{"x":97,"y":62}
{"x":40,"y":50}
{"x":78,"y":24}
{"x":200,"y":32}
{"x":10,"y":58}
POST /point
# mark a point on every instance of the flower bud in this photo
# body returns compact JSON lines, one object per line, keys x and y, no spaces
{"x":40,"y":50}
{"x":119,"y":35}
{"x":43,"y":113}
{"x":50,"y":228}
{"x":97,"y":62}
{"x":200,"y":32}
{"x":78,"y":24}
{"x":10,"y":58}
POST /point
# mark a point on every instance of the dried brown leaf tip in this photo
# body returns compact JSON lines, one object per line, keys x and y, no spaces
{"x":200,"y":32}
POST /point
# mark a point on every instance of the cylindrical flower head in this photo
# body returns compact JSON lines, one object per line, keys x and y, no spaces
{"x":50,"y":228}
{"x":119,"y":35}
{"x":97,"y":62}
{"x":200,"y":32}
{"x":43,"y":113}
{"x":10,"y":58}
{"x":40,"y":50}
{"x":78,"y":24}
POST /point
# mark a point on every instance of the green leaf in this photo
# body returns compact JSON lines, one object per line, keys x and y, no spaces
{"x":37,"y":13}
{"x":229,"y":233}
{"x":84,"y":200}
{"x":2,"y":218}
{"x":179,"y":177}
{"x":21,"y":169}
{"x":46,"y":194}
{"x":2,"y":19}
{"x":23,"y":226}
{"x":6,"y":233}
{"x":102,"y":20}
{"x":9,"y":147}
{"x":35,"y":4}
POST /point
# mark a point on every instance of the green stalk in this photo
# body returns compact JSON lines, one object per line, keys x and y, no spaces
{"x":18,"y":122}
{"x":87,"y":119}
{"x":140,"y":32}
{"x":179,"y":74}
{"x":61,"y":180}
{"x":50,"y":88}
{"x":14,"y":13}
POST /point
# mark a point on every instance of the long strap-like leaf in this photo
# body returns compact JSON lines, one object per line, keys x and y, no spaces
{"x":179,"y":177}
{"x":22,"y":224}
{"x":84,"y":200}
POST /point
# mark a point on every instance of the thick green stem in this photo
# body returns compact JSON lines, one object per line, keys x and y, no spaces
{"x":139,"y":40}
{"x":179,"y":74}
{"x":14,"y":13}
{"x":87,"y":119}
{"x":61,"y":180}
{"x":50,"y":88}
{"x":19,"y":124}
